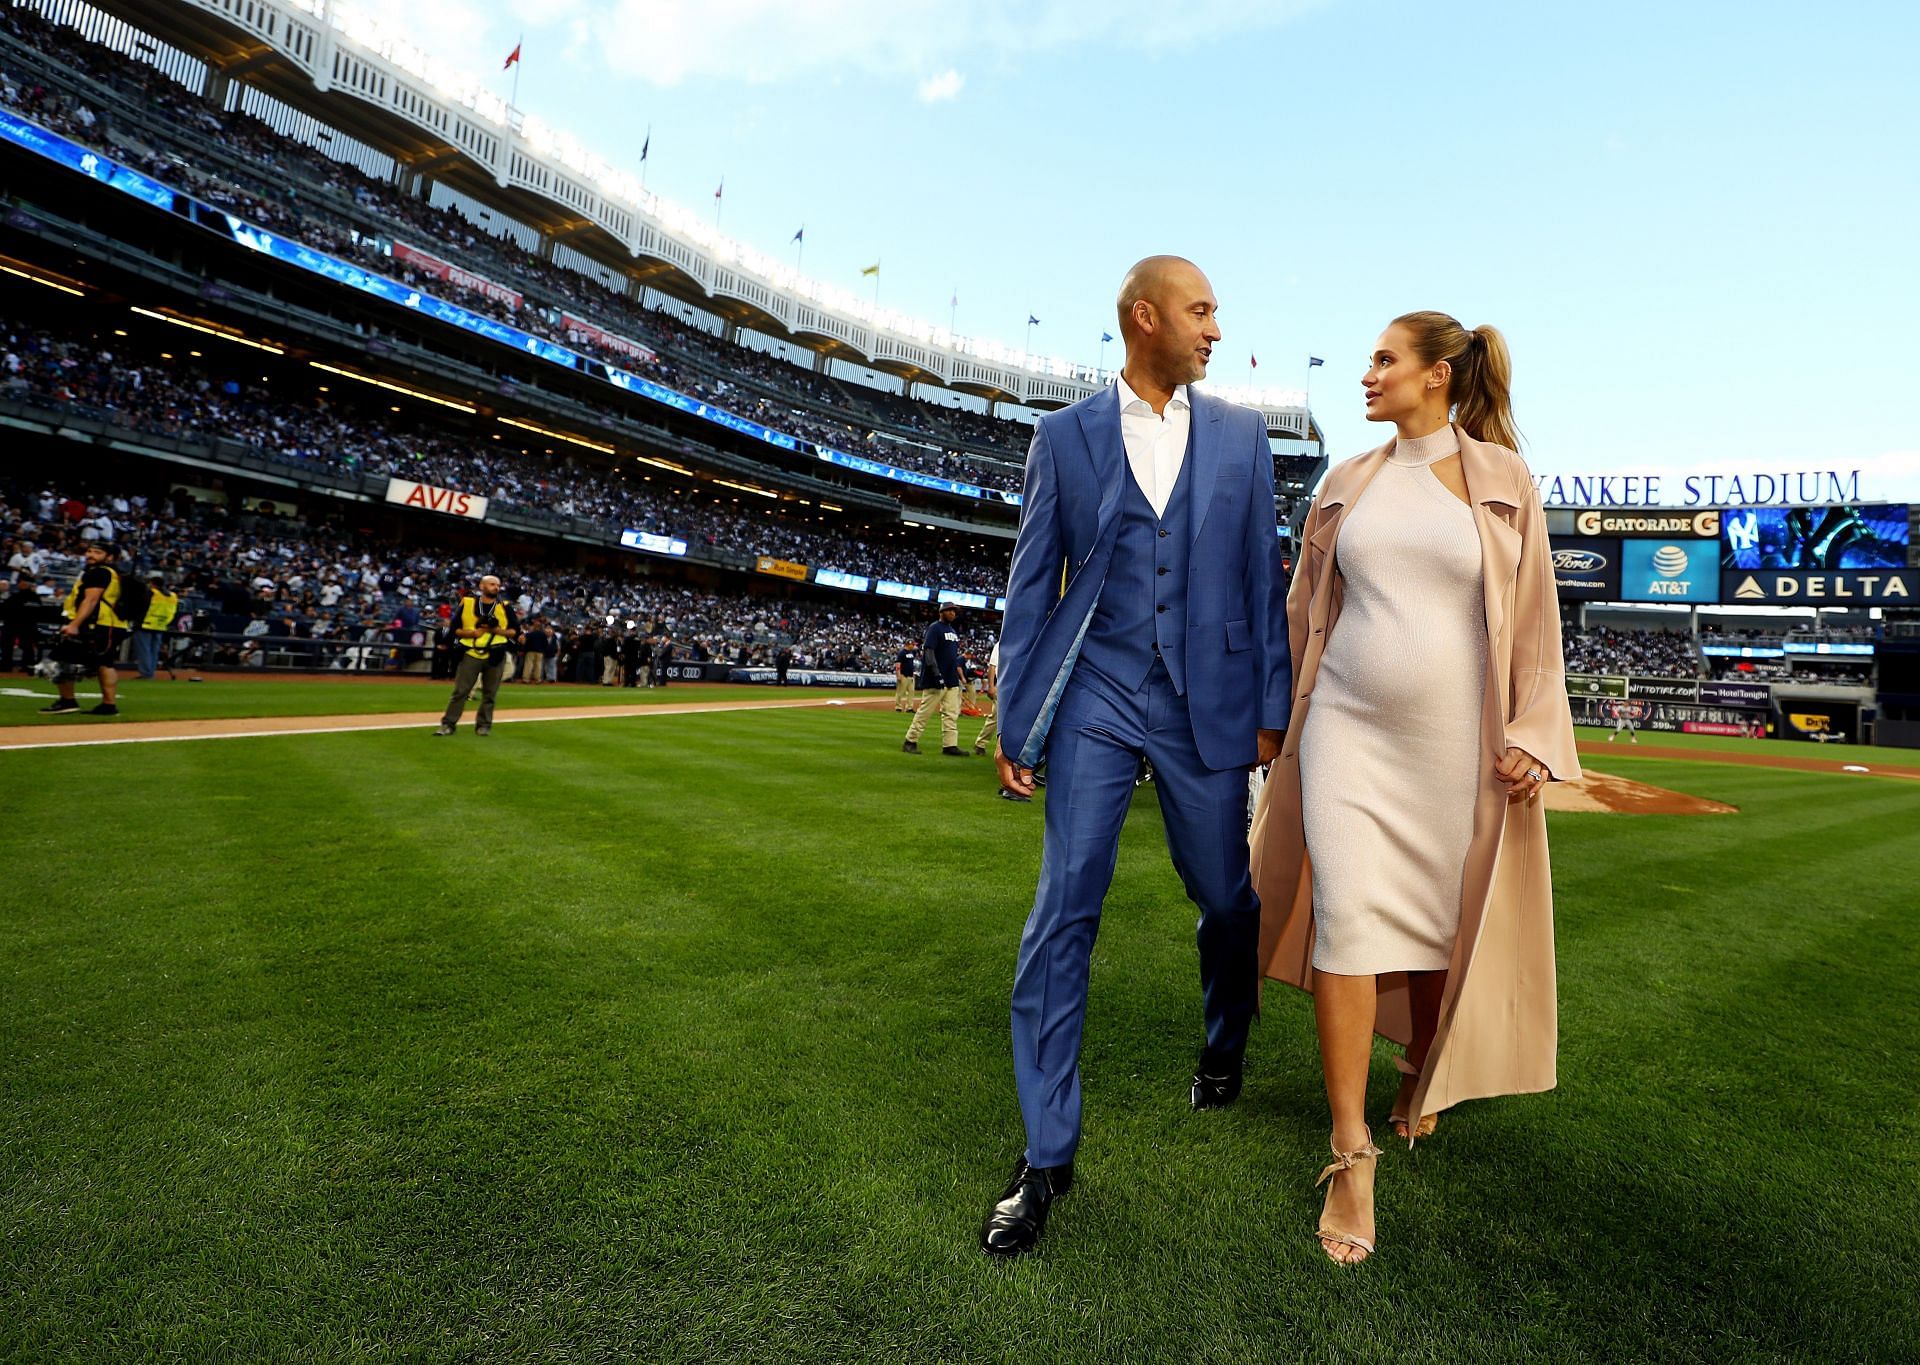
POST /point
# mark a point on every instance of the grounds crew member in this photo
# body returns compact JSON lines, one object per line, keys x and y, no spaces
{"x":989,"y":731}
{"x":90,"y":640}
{"x":939,"y":684}
{"x":484,"y":625}
{"x":906,"y":666}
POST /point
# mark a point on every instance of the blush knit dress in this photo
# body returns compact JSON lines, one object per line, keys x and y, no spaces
{"x":1390,"y":760}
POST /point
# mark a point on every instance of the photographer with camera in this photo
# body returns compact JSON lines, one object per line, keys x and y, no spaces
{"x":90,"y":640}
{"x":484,"y":625}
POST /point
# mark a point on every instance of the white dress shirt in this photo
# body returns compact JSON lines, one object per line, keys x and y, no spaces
{"x":1156,"y":443}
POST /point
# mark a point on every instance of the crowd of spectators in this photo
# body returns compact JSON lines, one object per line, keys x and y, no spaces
{"x":254,"y":583}
{"x":1637,"y":653}
{"x":296,"y":190}
{"x":100,"y":376}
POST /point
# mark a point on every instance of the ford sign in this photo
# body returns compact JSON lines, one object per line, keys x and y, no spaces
{"x":1578,"y":561}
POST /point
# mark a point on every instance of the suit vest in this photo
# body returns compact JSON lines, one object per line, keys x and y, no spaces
{"x":1142,"y":611}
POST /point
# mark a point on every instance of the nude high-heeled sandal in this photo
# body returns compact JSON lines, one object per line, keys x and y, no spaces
{"x":1342,"y":1162}
{"x":1398,"y":1120}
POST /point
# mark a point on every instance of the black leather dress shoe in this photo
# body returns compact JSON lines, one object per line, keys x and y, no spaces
{"x":1015,"y":1225}
{"x":1216,"y":1082}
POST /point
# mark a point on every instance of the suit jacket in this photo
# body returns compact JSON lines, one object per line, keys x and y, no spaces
{"x":1238,"y":670}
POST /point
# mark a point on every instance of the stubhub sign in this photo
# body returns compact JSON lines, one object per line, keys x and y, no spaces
{"x":1670,"y":570}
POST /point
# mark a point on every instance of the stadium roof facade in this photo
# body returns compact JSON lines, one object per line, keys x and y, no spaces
{"x":340,"y":66}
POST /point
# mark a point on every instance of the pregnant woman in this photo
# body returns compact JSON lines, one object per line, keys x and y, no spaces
{"x":1400,"y":848}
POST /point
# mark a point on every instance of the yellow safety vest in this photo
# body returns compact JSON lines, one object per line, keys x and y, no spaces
{"x":471,"y":618}
{"x":161,"y":611}
{"x":104,"y":614}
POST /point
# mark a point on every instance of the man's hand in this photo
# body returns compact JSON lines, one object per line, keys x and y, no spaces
{"x":70,"y":629}
{"x":1269,"y":745}
{"x":1013,"y":777}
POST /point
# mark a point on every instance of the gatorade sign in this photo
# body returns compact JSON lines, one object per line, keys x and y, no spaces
{"x":430,"y":499}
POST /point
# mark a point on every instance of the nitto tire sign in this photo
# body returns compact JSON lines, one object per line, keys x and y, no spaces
{"x":1858,"y":587}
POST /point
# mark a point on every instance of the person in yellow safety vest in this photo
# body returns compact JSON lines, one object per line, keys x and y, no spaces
{"x":484,"y":626}
{"x":90,"y":640}
{"x":152,"y":630}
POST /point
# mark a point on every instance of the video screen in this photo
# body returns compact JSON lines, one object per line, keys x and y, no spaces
{"x":1814,"y":537}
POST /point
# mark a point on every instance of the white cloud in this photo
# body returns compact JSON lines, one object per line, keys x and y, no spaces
{"x":944,"y":86}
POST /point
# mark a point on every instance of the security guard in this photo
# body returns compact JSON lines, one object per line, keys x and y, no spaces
{"x":939,"y":684}
{"x":91,"y":637}
{"x":484,"y":626}
{"x":906,"y":666}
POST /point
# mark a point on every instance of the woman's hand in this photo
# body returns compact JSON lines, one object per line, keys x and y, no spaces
{"x":1523,"y":773}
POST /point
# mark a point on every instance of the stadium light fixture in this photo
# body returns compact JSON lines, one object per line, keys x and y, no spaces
{"x":663,"y":464}
{"x":222,"y":333}
{"x":42,"y":279}
{"x":395,"y":388}
{"x":747,"y":488}
{"x":600,"y":446}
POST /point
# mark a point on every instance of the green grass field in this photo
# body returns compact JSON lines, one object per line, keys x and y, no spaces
{"x":688,"y":1042}
{"x":223,"y":696}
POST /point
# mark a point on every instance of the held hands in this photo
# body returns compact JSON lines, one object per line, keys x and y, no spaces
{"x":1269,"y":746}
{"x":1523,"y":773}
{"x":1013,"y":777}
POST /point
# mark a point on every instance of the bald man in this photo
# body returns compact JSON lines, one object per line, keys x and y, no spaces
{"x":1145,"y":618}
{"x":484,"y":625}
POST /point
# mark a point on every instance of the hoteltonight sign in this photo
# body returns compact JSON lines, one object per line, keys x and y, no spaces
{"x":1754,"y":488}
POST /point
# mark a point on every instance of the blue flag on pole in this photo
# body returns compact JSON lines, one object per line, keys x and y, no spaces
{"x":1032,"y":321}
{"x":1106,"y":336}
{"x":800,"y":236}
{"x":1313,"y":360}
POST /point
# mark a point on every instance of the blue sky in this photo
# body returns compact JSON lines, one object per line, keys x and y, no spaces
{"x":1695,"y":222}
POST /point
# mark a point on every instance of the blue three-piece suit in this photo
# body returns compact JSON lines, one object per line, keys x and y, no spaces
{"x":1128,"y":634}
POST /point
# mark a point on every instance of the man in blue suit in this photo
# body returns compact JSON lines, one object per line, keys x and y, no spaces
{"x":1145,"y":616}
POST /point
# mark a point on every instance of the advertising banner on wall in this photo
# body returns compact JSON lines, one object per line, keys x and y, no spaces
{"x":430,"y":499}
{"x":429,"y":264}
{"x":1654,"y":522}
{"x":1586,"y":569}
{"x":1595,"y":685}
{"x":781,"y":568}
{"x":1821,"y":722}
{"x":1670,"y":571}
{"x":1835,"y":587}
{"x":580,"y":330}
{"x":1757,"y":695}
{"x":1663,"y":689}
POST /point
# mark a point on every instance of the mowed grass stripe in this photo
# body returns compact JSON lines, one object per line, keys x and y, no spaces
{"x":688,"y":1041}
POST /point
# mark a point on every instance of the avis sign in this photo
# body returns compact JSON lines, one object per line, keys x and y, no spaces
{"x":430,"y":499}
{"x":1823,"y":587}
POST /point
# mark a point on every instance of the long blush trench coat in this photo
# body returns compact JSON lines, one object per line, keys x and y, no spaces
{"x":1499,"y":1024}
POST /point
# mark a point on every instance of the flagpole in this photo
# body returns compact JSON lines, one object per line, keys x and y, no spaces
{"x":719,"y":201}
{"x":1101,"y":368}
{"x":519,"y":61}
{"x":799,"y":248}
{"x":953,"y":310}
{"x":646,"y":146}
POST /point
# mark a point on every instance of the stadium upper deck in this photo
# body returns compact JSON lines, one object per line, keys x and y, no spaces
{"x":351,"y":77}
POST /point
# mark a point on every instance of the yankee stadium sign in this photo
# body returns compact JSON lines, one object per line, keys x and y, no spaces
{"x":1756,"y":488}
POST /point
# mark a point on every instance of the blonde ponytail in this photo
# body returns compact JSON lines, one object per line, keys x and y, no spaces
{"x":1481,"y":390}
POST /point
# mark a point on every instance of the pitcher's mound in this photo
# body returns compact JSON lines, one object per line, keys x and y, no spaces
{"x":1618,"y":796}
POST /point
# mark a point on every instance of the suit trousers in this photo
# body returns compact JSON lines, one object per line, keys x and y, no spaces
{"x":1094,"y":748}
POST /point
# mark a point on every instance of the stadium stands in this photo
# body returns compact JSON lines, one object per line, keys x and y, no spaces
{"x":97,"y":375}
{"x":259,"y":577}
